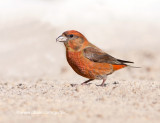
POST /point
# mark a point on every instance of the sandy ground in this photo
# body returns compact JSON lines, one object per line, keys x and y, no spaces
{"x":35,"y":80}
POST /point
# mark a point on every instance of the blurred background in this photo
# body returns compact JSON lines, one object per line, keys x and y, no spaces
{"x":126,"y":29}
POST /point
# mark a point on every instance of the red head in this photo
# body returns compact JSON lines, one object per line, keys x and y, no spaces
{"x":73,"y":40}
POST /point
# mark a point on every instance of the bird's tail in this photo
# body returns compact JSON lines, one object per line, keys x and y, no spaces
{"x":126,"y":63}
{"x":132,"y":66}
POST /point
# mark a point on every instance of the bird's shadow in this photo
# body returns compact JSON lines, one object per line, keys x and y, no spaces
{"x":74,"y":85}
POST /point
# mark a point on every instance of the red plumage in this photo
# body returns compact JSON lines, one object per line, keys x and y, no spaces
{"x":88,"y":60}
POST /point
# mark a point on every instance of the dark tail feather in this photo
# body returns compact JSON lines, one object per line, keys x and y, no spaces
{"x":123,"y":61}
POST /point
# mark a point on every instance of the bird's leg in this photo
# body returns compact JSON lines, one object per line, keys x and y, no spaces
{"x":103,"y":82}
{"x":86,"y":81}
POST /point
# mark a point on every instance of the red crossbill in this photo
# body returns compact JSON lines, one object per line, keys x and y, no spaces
{"x":88,"y":60}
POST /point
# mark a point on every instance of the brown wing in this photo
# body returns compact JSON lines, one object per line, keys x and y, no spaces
{"x":97,"y":55}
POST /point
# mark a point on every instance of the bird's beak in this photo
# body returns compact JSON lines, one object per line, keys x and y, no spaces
{"x":62,"y":38}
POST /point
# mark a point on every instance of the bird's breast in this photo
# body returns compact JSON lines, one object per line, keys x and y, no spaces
{"x":77,"y":62}
{"x":87,"y":68}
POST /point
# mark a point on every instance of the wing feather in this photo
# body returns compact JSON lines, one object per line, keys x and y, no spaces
{"x":97,"y":55}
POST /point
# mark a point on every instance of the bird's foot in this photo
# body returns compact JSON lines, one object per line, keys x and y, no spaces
{"x":115,"y":83}
{"x":102,"y":85}
{"x":73,"y":85}
{"x":85,"y":83}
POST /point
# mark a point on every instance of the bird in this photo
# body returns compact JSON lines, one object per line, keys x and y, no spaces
{"x":88,"y":60}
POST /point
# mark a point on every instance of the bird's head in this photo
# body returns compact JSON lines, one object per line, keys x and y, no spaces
{"x":73,"y":40}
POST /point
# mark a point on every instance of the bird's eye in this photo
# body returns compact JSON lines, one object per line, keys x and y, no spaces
{"x":71,"y":36}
